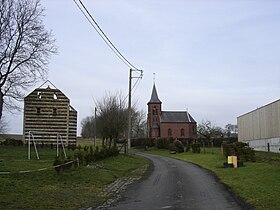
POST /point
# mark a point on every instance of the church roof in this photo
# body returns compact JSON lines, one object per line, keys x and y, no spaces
{"x":154,"y":96}
{"x":176,"y":117}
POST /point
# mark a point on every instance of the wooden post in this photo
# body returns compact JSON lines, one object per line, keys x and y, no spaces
{"x":268,"y":152}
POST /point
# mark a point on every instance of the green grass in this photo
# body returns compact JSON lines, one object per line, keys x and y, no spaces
{"x":258,"y":183}
{"x":73,"y":189}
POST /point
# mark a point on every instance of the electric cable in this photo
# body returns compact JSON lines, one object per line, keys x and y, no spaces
{"x":102,"y":34}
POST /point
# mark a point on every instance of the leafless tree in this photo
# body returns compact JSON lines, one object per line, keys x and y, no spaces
{"x":230,"y":130}
{"x":4,"y":125}
{"x":87,"y":125}
{"x":111,"y":117}
{"x":139,"y":124}
{"x":25,"y":49}
{"x":207,"y":130}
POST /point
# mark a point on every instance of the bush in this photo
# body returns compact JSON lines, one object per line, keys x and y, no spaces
{"x":179,"y":146}
{"x":239,"y":149}
{"x":163,"y":143}
{"x":62,"y":163}
{"x":142,"y":142}
{"x":80,"y":155}
{"x":188,"y":148}
{"x":12,"y":142}
{"x":172,"y":147}
{"x":195,"y":148}
{"x":86,"y":156}
{"x":57,"y":162}
{"x":89,"y":154}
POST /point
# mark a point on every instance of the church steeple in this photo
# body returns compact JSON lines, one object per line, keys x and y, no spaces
{"x":154,"y":113}
{"x":154,"y":97}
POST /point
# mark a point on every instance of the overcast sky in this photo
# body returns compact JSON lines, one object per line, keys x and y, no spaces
{"x":219,"y":59}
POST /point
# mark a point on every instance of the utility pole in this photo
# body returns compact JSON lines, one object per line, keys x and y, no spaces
{"x":95,"y":126}
{"x":129,"y":106}
{"x":129,"y":111}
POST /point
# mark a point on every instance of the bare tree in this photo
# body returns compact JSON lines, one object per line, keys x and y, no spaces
{"x":208,"y":130}
{"x":4,"y":126}
{"x":139,"y":124}
{"x":111,"y":117}
{"x":87,"y":125}
{"x":230,"y":130}
{"x":25,"y":49}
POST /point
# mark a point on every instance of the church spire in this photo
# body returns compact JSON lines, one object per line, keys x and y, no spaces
{"x":154,"y":97}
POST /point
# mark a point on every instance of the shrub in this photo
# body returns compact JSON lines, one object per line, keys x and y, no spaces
{"x":172,"y":147}
{"x":69,"y":165}
{"x":195,"y":148}
{"x":142,"y":142}
{"x":12,"y":142}
{"x":239,"y":149}
{"x":89,"y":154}
{"x":188,"y":148}
{"x":86,"y":156}
{"x":163,"y":143}
{"x":179,"y":146}
{"x":62,"y":163}
{"x":79,"y":154}
{"x":57,"y":162}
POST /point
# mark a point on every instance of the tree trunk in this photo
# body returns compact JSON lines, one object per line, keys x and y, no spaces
{"x":1,"y":104}
{"x":103,"y":142}
{"x":110,"y":142}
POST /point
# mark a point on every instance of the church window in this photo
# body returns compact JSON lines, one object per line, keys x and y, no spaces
{"x":182,"y":132}
{"x":154,"y":119}
{"x":154,"y":111}
{"x":169,"y":132}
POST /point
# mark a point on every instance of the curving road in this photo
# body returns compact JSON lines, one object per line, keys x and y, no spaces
{"x":175,"y":184}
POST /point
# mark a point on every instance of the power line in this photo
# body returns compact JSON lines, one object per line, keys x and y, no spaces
{"x":102,"y":34}
{"x":105,"y":38}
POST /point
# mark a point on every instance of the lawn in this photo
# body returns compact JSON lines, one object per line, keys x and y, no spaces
{"x":257,"y":182}
{"x":72,"y":189}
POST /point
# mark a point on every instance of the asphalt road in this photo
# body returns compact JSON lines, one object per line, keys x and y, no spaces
{"x":175,"y":184}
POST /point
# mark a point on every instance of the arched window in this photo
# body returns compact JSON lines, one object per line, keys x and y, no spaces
{"x":154,"y":111}
{"x":182,"y":132}
{"x":155,"y":119}
{"x":169,"y":132}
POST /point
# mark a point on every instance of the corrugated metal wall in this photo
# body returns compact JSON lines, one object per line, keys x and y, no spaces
{"x":262,"y":123}
{"x":47,"y":114}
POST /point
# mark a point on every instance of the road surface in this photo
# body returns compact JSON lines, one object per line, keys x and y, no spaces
{"x":175,"y":184}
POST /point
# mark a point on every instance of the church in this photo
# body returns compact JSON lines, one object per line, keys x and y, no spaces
{"x":168,"y":124}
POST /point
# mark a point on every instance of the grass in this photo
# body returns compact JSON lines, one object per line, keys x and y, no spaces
{"x":73,"y":189}
{"x":258,"y":183}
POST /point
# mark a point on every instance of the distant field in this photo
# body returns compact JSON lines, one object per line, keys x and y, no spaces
{"x":80,"y":141}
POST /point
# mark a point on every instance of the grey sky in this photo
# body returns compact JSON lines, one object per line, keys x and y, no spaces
{"x":219,"y":59}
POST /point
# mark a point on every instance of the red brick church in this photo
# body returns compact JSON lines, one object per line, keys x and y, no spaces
{"x":168,"y":124}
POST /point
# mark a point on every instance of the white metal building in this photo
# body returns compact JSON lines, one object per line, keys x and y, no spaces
{"x":260,"y":127}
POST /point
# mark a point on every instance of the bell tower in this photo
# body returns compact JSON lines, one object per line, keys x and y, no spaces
{"x":154,"y":112}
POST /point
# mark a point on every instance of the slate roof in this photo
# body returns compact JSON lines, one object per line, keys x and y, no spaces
{"x":154,"y":97}
{"x":176,"y":117}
